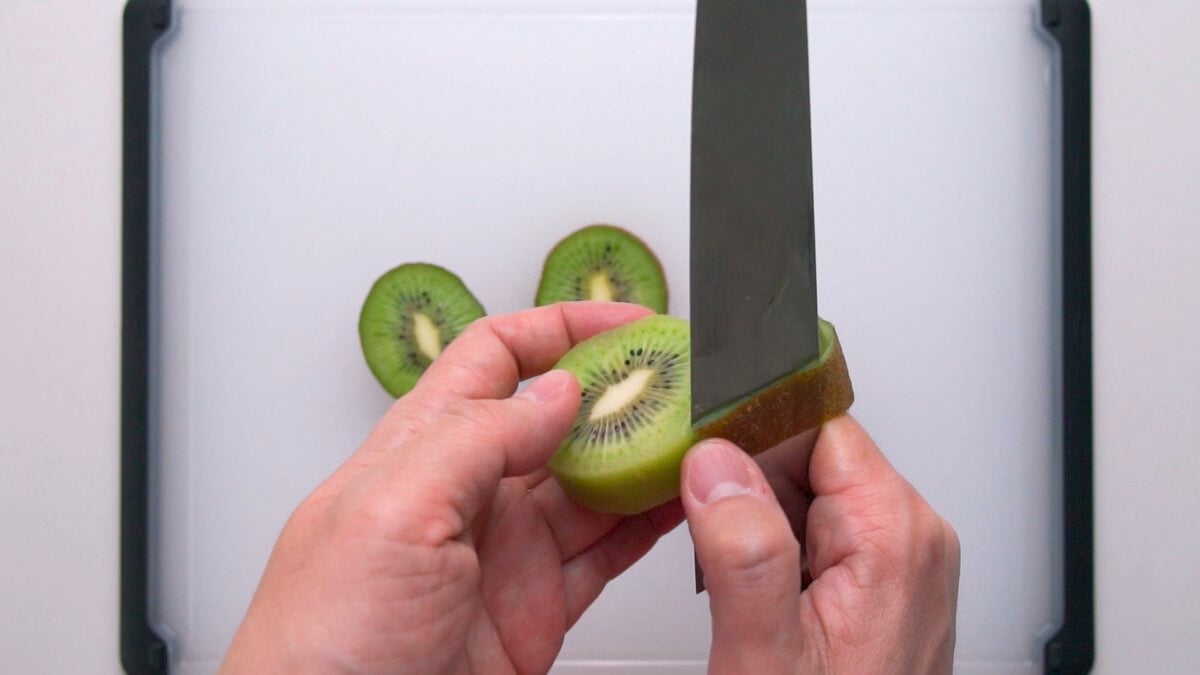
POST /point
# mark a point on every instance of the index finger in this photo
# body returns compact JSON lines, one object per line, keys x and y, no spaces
{"x":786,"y":469}
{"x":492,"y":356}
{"x":495,"y":353}
{"x":861,"y":508}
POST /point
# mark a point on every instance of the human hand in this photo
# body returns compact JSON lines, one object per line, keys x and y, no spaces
{"x":877,"y":590}
{"x":440,"y":545}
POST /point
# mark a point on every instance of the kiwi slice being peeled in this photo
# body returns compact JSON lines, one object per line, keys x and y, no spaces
{"x":410,"y":315}
{"x":605,"y":263}
{"x":809,"y":397}
{"x":624,"y":452}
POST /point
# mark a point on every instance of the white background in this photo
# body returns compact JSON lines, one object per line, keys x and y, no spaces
{"x":59,"y":341}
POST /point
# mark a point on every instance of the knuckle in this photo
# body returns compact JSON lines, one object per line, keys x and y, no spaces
{"x":930,"y":527}
{"x":953,"y":544}
{"x":883,"y":559}
{"x":927,"y":523}
{"x":484,"y":330}
{"x":937,"y":543}
{"x":952,"y":548}
{"x":362,"y":512}
{"x":366,"y":519}
{"x":376,"y":515}
{"x":480,"y":326}
{"x":474,"y":417}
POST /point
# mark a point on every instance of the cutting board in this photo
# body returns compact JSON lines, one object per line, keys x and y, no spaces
{"x":281,"y":155}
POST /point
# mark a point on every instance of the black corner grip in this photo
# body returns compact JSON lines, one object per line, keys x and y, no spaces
{"x":142,"y":651}
{"x":1072,"y":649}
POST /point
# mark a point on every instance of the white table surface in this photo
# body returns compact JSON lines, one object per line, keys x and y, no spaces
{"x":59,"y":342}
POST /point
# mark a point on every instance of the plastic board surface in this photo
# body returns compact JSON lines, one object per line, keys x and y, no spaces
{"x":303,"y":148}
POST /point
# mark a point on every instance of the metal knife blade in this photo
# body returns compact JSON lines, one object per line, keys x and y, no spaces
{"x":753,"y":269}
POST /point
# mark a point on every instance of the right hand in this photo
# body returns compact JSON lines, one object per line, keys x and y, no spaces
{"x":878,"y":587}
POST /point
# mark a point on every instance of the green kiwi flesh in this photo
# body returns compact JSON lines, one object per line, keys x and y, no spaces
{"x":606,"y":263}
{"x":410,"y":315}
{"x":624,"y":452}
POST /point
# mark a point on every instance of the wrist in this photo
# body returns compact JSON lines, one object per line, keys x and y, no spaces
{"x":264,"y":647}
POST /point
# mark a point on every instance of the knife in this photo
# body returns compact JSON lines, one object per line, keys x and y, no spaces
{"x":753,"y":269}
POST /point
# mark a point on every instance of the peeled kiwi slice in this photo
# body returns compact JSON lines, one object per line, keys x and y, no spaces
{"x":606,"y":263}
{"x":624,"y":452}
{"x":410,"y":315}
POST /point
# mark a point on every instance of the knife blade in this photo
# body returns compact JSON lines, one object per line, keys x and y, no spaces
{"x":753,"y":265}
{"x":753,"y":268}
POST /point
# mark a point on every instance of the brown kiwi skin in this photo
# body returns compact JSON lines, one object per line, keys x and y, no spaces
{"x":606,"y":226}
{"x":787,"y":408}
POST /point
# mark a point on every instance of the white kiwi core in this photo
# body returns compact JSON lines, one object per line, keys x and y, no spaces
{"x":429,"y":338}
{"x":616,"y":397}
{"x":600,"y":288}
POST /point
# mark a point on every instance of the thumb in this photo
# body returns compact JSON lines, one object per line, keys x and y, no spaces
{"x":455,"y":465}
{"x":750,"y":559}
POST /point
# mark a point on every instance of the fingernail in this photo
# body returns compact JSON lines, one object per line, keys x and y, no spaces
{"x":716,"y":470}
{"x":548,"y":387}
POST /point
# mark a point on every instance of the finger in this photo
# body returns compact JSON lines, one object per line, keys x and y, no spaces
{"x":863,"y":510}
{"x":586,"y":575}
{"x":456,"y":466}
{"x":786,"y":469}
{"x":878,"y":547}
{"x":574,"y":527}
{"x":536,"y":478}
{"x":495,"y":353}
{"x":486,"y":362}
{"x":749,"y":556}
{"x":953,"y":562}
{"x":787,"y":463}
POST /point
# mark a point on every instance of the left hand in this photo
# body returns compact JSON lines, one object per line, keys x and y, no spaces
{"x":441,"y":544}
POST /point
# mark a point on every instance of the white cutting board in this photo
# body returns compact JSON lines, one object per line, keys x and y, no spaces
{"x":306,"y":147}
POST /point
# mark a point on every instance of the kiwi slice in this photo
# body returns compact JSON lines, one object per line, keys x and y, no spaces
{"x":408,"y":318}
{"x":624,"y":452}
{"x":603,"y":262}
